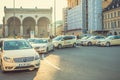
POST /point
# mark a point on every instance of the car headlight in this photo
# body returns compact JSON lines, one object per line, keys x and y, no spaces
{"x":37,"y":57}
{"x":43,"y":46}
{"x":37,"y":47}
{"x":7,"y":59}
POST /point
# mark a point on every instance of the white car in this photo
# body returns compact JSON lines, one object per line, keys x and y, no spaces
{"x":64,"y":41}
{"x":43,"y":45}
{"x":17,"y":54}
{"x":79,"y":41}
{"x":92,"y":40}
{"x":109,"y":41}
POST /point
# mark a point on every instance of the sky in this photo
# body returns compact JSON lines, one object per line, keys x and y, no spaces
{"x":32,"y":4}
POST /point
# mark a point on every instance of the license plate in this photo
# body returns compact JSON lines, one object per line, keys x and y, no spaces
{"x":22,"y":65}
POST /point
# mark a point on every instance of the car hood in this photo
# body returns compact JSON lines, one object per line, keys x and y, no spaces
{"x":39,"y":45}
{"x":104,"y":40}
{"x":20,"y":53}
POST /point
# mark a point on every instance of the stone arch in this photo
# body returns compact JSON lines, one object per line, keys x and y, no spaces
{"x":28,"y":25}
{"x":13,"y":24}
{"x":43,"y":24}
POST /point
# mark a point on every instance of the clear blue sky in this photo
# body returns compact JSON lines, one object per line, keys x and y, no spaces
{"x":32,"y":4}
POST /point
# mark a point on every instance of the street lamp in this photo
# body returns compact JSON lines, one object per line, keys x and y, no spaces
{"x":55,"y":17}
{"x":14,"y":17}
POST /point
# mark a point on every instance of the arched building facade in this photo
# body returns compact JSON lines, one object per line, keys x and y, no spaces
{"x":19,"y":21}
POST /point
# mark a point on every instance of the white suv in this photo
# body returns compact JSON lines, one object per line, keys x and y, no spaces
{"x":17,"y":54}
{"x":64,"y":41}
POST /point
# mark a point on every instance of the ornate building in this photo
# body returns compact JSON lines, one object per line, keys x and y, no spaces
{"x":111,"y":17}
{"x":19,"y":21}
{"x":105,"y":3}
{"x":73,"y":3}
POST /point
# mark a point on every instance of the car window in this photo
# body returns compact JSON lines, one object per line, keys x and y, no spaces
{"x":58,"y":38}
{"x":40,"y":41}
{"x":16,"y":45}
{"x":66,"y":38}
{"x":110,"y":37}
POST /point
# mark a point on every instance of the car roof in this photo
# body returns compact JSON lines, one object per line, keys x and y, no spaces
{"x":9,"y":39}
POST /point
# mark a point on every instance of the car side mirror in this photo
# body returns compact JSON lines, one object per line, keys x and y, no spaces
{"x":62,"y":39}
{"x":1,"y":50}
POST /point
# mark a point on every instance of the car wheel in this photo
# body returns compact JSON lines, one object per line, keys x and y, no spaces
{"x":74,"y":45}
{"x":89,"y":44}
{"x":108,"y":44}
{"x":47,"y":50}
{"x":59,"y":46}
{"x":2,"y":68}
{"x":53,"y":48}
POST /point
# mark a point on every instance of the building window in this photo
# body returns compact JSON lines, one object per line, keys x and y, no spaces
{"x":105,"y":25}
{"x":108,"y":25}
{"x":119,"y":13}
{"x":111,"y":15}
{"x":115,"y":25}
{"x":114,"y":14}
{"x":119,"y":23}
{"x":108,"y":16}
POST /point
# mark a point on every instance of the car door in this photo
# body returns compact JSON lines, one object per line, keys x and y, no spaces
{"x":117,"y":40}
{"x":66,"y":40}
{"x":113,"y":40}
{"x":50,"y":44}
{"x":1,"y":50}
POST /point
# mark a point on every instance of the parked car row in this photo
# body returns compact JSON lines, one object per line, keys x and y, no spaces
{"x":109,"y":41}
{"x":99,"y":40}
{"x":21,"y":54}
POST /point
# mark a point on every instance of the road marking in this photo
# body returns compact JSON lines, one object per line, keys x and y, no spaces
{"x":54,"y":66}
{"x":48,"y":62}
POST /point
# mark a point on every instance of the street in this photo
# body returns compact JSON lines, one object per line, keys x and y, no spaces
{"x":80,"y":63}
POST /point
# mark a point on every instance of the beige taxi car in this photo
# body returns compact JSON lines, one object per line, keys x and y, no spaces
{"x":92,"y":40}
{"x":43,"y":45}
{"x":109,"y":41}
{"x":64,"y":41}
{"x":17,"y":54}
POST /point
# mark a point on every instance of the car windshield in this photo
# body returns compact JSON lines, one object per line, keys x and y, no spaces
{"x":57,"y":38}
{"x":110,"y":37}
{"x":37,"y":41}
{"x":85,"y":38}
{"x":31,"y":40}
{"x":92,"y":37}
{"x":16,"y":45}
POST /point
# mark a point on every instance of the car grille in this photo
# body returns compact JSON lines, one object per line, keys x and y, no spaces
{"x":24,"y":59}
{"x":24,"y":67}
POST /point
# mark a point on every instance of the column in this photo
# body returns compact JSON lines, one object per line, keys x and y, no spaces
{"x":6,"y":30}
{"x":21,"y":30}
{"x":21,"y":27}
{"x":36,"y":30}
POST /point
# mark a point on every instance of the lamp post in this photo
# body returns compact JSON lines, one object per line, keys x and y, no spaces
{"x":14,"y":17}
{"x":54,"y":17}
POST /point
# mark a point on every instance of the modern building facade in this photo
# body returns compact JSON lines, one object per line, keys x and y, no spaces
{"x":84,"y":16}
{"x":111,"y":17}
{"x":92,"y":9}
{"x":94,"y":15}
{"x":19,"y":21}
{"x":76,"y":18}
{"x":65,"y":20}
